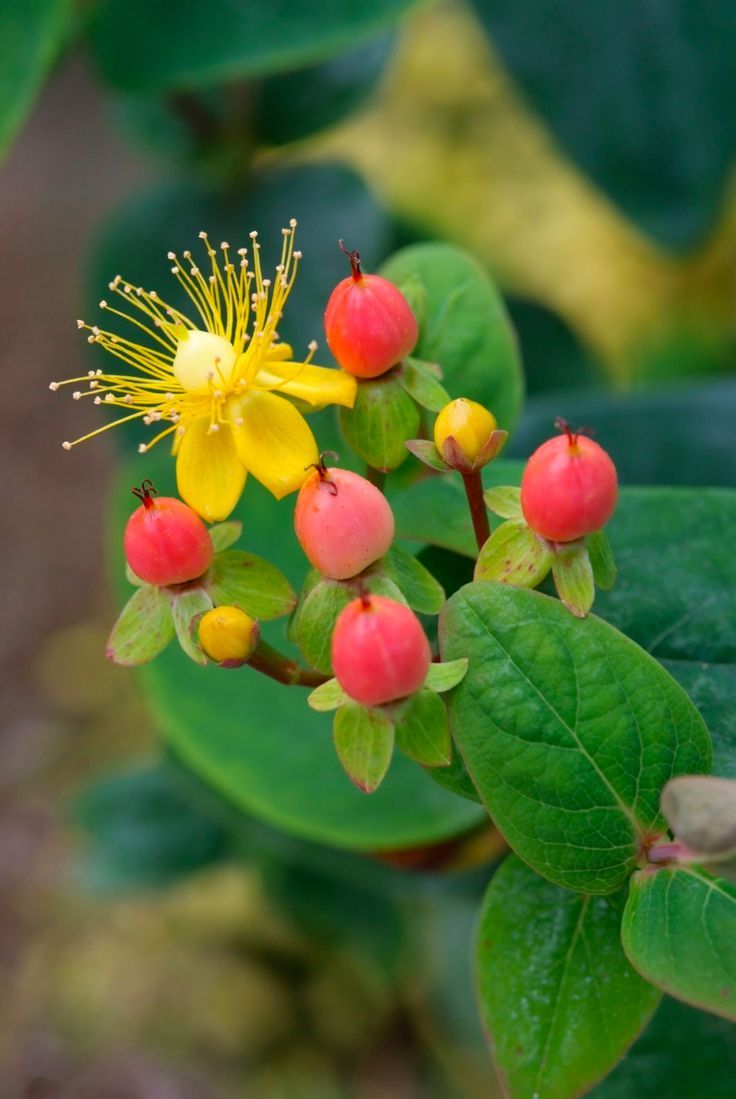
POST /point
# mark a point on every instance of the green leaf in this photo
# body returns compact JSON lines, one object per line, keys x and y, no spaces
{"x":32,"y":34}
{"x":573,"y":577}
{"x":420,"y":589}
{"x":317,"y":617}
{"x":144,"y":628}
{"x":328,"y":696}
{"x":364,"y":741}
{"x":569,"y":731}
{"x":143,"y":831}
{"x":251,"y":583}
{"x":381,"y":420}
{"x":422,"y":385}
{"x":701,"y":812}
{"x":601,"y":560}
{"x":680,"y":1049}
{"x":258,"y":744}
{"x":514,"y":554}
{"x":455,"y":778}
{"x":131,"y":577}
{"x":633,"y":92}
{"x":505,"y":500}
{"x":559,"y":999}
{"x":679,"y":931}
{"x":422,"y":731}
{"x":443,"y":677}
{"x":224,"y":41}
{"x":224,"y":535}
{"x":186,"y":606}
{"x":463,"y":326}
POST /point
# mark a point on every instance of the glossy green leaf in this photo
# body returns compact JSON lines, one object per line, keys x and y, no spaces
{"x":422,"y":730}
{"x":421,"y":384}
{"x":258,"y":744}
{"x":251,"y":583}
{"x":143,"y":830}
{"x":144,"y":628}
{"x":504,"y":501}
{"x":573,"y":578}
{"x":679,"y":931}
{"x":569,"y":732}
{"x":443,"y":677}
{"x":463,"y":326}
{"x":364,"y":742}
{"x":206,"y":45}
{"x":31,"y":34}
{"x":514,"y":554}
{"x":328,"y":696}
{"x":186,"y":607}
{"x":383,"y":417}
{"x":679,"y":1051}
{"x":224,"y":535}
{"x":634,"y":93}
{"x":420,"y":589}
{"x":559,"y":999}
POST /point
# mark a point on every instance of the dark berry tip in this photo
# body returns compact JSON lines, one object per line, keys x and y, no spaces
{"x":145,"y":493}
{"x":354,"y":258}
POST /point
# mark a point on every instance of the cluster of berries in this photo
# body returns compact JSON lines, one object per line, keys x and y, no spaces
{"x":344,"y":524}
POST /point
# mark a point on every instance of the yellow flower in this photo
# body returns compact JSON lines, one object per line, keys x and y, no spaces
{"x":220,"y":385}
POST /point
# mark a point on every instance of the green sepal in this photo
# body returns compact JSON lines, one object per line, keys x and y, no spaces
{"x":383,"y":417}
{"x":255,"y":585}
{"x":515,"y":555}
{"x":422,"y":729}
{"x":364,"y":741}
{"x":311,"y":580}
{"x":422,"y":384}
{"x":224,"y":535}
{"x":601,"y":559}
{"x":187,"y":607}
{"x":131,"y":577}
{"x":144,"y":628}
{"x":573,"y":577}
{"x":679,"y":932}
{"x":504,"y":500}
{"x":317,"y":616}
{"x":428,"y":453}
{"x":422,"y":592}
{"x":444,"y":676}
{"x":701,"y":811}
{"x":328,"y":696}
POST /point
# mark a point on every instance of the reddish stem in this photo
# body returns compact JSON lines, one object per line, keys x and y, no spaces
{"x":478,"y":511}
{"x":274,"y":664}
{"x":354,"y":258}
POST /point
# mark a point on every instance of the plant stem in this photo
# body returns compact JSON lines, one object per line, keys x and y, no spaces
{"x":476,"y":503}
{"x":376,"y":477}
{"x":272,"y":663}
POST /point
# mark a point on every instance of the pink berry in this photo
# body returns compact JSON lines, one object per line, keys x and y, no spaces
{"x":569,"y":487}
{"x":343,"y":522}
{"x":379,"y":650}
{"x":165,"y":541}
{"x":368,"y":323}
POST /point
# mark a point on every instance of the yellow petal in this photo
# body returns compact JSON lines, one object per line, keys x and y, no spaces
{"x":318,"y":385}
{"x":273,"y":440}
{"x":209,"y":474}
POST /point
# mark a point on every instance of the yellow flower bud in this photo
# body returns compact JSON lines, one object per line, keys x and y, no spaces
{"x":228,"y":634}
{"x":468,"y":423}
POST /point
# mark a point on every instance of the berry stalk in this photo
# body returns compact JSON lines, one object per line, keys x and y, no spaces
{"x":271,"y":662}
{"x":478,"y":511}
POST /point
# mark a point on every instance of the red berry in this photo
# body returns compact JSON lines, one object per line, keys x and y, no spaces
{"x":165,"y":541}
{"x":569,"y":488}
{"x":343,"y":522}
{"x":379,"y":650}
{"x":368,"y":323}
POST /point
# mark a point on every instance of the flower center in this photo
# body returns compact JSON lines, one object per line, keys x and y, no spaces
{"x":204,"y":362}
